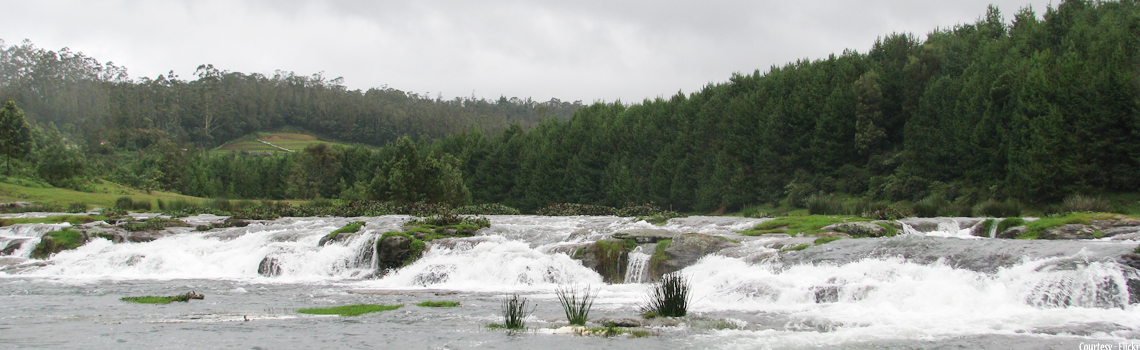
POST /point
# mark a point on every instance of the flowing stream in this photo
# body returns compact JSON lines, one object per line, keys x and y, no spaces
{"x":939,"y":288}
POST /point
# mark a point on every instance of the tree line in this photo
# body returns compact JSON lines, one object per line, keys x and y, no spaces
{"x":1035,"y":109}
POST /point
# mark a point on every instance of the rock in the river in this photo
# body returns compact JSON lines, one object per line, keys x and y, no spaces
{"x":12,"y":246}
{"x":1013,"y":232}
{"x":607,"y":257}
{"x":269,"y":267}
{"x":859,"y":229}
{"x":644,"y":236}
{"x":1071,"y":231}
{"x":686,"y":249}
{"x":397,"y":249}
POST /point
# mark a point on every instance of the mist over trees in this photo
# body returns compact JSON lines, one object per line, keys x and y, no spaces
{"x":1033,"y":107}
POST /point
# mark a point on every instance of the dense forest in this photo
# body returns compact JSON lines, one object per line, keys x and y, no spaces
{"x":1035,"y":108}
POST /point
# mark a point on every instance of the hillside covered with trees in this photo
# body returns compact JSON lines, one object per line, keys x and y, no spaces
{"x":1032,"y":108}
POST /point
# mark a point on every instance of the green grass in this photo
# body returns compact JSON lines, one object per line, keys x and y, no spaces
{"x":103,"y":194}
{"x":792,"y":225}
{"x":72,"y":219}
{"x":796,"y":248}
{"x":287,"y":140}
{"x":438,"y":304}
{"x":826,"y":240}
{"x":65,"y":239}
{"x":1035,"y":228}
{"x":151,"y":299}
{"x":352,"y":227}
{"x":349,"y":310}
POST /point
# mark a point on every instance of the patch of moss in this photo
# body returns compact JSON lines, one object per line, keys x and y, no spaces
{"x":72,"y":219}
{"x":352,"y":227}
{"x":792,"y":225}
{"x":349,"y":310}
{"x":1035,"y":228}
{"x":438,"y":304}
{"x":416,"y":247}
{"x":891,"y":230}
{"x":153,"y":224}
{"x":796,"y":248}
{"x":657,"y":260}
{"x":609,"y":255}
{"x":57,"y":241}
{"x":1006,"y":223}
{"x":151,"y":299}
{"x":826,"y":240}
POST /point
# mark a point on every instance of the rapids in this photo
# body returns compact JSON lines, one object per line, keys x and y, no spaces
{"x":943,"y":287}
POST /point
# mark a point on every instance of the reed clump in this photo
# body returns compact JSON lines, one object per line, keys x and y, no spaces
{"x":515,"y":312}
{"x":576,"y":303}
{"x":669,"y":298}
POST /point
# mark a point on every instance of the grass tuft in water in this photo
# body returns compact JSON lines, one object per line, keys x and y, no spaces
{"x":349,"y":310}
{"x":668,"y":298}
{"x":576,"y":303}
{"x":151,"y":299}
{"x":515,"y":312}
{"x":438,"y":304}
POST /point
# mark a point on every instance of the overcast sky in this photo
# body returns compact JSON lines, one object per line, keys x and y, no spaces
{"x":587,"y":50}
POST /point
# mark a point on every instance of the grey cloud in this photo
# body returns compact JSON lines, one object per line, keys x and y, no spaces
{"x":587,"y":50}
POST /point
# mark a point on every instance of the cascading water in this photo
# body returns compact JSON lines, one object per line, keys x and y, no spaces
{"x":637,"y":269}
{"x":920,"y":285}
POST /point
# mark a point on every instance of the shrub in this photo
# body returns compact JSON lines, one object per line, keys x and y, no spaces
{"x":124,"y":203}
{"x":574,"y":209}
{"x":930,"y":207}
{"x":994,"y":208}
{"x":576,"y":304}
{"x":515,"y":312}
{"x":669,"y":298}
{"x":486,"y":209}
{"x":824,"y":205}
{"x":890,"y":212}
{"x":77,"y":208}
{"x":1078,"y":203}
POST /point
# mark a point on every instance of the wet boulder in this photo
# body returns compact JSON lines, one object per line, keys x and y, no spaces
{"x":608,"y":257}
{"x":1013,"y":232}
{"x":1070,"y":231}
{"x":645,"y":236}
{"x":860,"y":229}
{"x":397,"y":249}
{"x":685,"y":250}
{"x":269,"y":267}
{"x":12,"y":246}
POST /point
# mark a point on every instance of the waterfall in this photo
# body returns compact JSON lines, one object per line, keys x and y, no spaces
{"x":638,"y":266}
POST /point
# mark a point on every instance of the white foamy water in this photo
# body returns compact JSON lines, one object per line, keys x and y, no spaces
{"x":868,"y":300}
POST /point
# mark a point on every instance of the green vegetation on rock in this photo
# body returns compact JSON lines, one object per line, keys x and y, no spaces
{"x":150,"y":299}
{"x":793,"y":225}
{"x":438,"y":304}
{"x":57,"y":241}
{"x":349,"y":310}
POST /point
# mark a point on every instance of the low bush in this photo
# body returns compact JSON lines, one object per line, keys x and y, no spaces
{"x":486,"y":209}
{"x":996,"y":209}
{"x":824,"y":205}
{"x":77,"y":207}
{"x":126,"y":203}
{"x":574,"y":209}
{"x":1078,"y":203}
